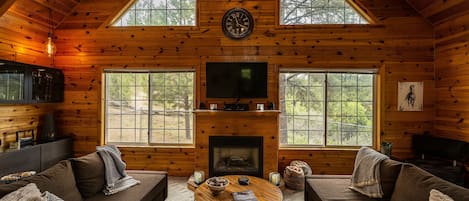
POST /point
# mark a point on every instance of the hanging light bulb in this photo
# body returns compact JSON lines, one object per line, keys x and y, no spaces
{"x":50,"y":46}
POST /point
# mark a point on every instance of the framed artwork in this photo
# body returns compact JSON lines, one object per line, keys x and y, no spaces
{"x":410,"y":96}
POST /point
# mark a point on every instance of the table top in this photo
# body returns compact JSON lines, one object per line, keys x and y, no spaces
{"x":263,"y":189}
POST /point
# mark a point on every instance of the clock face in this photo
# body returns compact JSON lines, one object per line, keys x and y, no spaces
{"x":237,"y":23}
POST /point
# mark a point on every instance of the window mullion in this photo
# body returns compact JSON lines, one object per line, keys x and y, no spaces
{"x":325,"y":90}
{"x":150,"y":108}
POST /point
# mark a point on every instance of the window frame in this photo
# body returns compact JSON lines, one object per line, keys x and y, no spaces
{"x":149,"y":131}
{"x":360,"y":9}
{"x":375,"y":102}
{"x":195,"y":27}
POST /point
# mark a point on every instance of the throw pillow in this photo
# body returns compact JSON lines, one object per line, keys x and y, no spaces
{"x":89,"y":174}
{"x":436,"y":195}
{"x":47,"y":196}
{"x":58,"y":179}
{"x":29,"y":192}
{"x":414,"y":183}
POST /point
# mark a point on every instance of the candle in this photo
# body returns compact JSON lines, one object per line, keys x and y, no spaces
{"x":199,"y":177}
{"x":274,"y":178}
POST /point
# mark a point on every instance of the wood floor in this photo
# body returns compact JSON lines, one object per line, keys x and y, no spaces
{"x":177,"y":191}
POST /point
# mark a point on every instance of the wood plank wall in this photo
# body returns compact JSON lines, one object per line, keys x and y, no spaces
{"x":23,"y":41}
{"x":401,"y":43}
{"x":228,"y":123}
{"x":452,"y":77}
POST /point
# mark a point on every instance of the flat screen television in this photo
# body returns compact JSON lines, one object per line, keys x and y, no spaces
{"x":236,"y":80}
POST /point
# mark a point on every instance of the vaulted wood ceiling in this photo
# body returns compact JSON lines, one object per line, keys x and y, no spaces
{"x":77,"y":14}
{"x":437,"y":11}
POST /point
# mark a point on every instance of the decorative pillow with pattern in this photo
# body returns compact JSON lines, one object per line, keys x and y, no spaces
{"x":29,"y":192}
{"x":436,"y":195}
{"x":47,"y":196}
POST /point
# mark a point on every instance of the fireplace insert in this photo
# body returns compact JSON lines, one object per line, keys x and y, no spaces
{"x":240,"y":155}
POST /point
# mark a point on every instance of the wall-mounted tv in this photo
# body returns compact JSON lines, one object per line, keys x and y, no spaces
{"x":236,"y":80}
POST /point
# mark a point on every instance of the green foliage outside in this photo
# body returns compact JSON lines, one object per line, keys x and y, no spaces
{"x":159,"y":13}
{"x":348,"y":114}
{"x":132,"y":103}
{"x":11,"y":87}
{"x":318,"y":12}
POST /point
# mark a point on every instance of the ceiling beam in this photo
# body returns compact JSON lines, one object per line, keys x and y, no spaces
{"x":117,"y":14}
{"x":49,"y":5}
{"x":5,"y":5}
{"x":74,"y":8}
{"x":439,"y":6}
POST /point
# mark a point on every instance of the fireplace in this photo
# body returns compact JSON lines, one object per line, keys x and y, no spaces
{"x":230,"y":155}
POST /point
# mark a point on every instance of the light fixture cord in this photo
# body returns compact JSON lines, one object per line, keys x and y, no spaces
{"x":51,"y":32}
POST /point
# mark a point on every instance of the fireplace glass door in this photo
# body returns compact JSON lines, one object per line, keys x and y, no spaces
{"x":239,"y":155}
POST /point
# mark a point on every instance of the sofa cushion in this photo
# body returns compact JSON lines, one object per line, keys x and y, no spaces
{"x":332,"y":188}
{"x":89,"y":174}
{"x":153,"y":186}
{"x":389,"y":171}
{"x":414,"y":183}
{"x":59,"y":180}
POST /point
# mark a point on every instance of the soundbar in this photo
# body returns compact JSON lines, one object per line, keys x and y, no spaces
{"x":236,"y":107}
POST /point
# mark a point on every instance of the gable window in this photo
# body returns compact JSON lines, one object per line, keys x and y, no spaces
{"x":293,"y":12}
{"x":159,"y":13}
{"x":327,"y":109}
{"x":148,"y":108}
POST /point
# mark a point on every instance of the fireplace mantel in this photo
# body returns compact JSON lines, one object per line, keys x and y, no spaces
{"x":237,"y":123}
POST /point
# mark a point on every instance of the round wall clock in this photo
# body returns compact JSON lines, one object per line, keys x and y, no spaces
{"x":237,"y":23}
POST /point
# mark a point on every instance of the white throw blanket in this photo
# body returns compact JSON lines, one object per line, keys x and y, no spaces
{"x":116,"y":178}
{"x":365,"y":177}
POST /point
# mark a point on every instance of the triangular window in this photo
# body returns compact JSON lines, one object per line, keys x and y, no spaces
{"x":159,"y":13}
{"x":294,"y":12}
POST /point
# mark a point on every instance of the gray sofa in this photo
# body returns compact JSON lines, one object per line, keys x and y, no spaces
{"x":82,"y":179}
{"x":399,"y":181}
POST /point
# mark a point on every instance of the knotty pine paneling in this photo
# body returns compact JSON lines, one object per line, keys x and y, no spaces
{"x":402,"y":42}
{"x":21,"y":117}
{"x":23,"y":41}
{"x":232,"y":123}
{"x":452,"y":80}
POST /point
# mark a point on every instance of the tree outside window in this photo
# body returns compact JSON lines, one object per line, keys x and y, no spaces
{"x":301,"y":12}
{"x":326,"y":109}
{"x":159,"y":13}
{"x":149,"y":107}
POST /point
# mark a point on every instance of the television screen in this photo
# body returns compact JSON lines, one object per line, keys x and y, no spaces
{"x":236,"y":80}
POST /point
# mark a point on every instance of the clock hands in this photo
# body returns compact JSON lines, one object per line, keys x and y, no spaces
{"x":238,"y":24}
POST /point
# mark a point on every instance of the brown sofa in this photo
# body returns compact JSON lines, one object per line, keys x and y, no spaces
{"x":82,"y":179}
{"x":399,"y":181}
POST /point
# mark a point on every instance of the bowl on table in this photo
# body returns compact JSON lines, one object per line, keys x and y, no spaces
{"x":217,"y":184}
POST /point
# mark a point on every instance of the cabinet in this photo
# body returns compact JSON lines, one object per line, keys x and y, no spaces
{"x":25,"y":84}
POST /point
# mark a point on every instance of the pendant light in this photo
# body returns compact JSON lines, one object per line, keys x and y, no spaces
{"x":50,"y":46}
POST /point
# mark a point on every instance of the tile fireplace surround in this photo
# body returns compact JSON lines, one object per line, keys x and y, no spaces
{"x":237,"y":123}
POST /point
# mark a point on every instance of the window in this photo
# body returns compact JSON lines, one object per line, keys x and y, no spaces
{"x":149,"y":108}
{"x":327,"y":109}
{"x":159,"y":13}
{"x":294,"y":12}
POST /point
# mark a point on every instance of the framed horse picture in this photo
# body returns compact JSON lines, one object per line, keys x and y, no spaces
{"x":410,"y":96}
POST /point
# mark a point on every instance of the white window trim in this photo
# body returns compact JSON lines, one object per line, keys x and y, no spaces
{"x":337,"y":70}
{"x":149,"y":143}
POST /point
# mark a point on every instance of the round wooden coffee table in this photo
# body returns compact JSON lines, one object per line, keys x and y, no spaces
{"x":263,"y":189}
